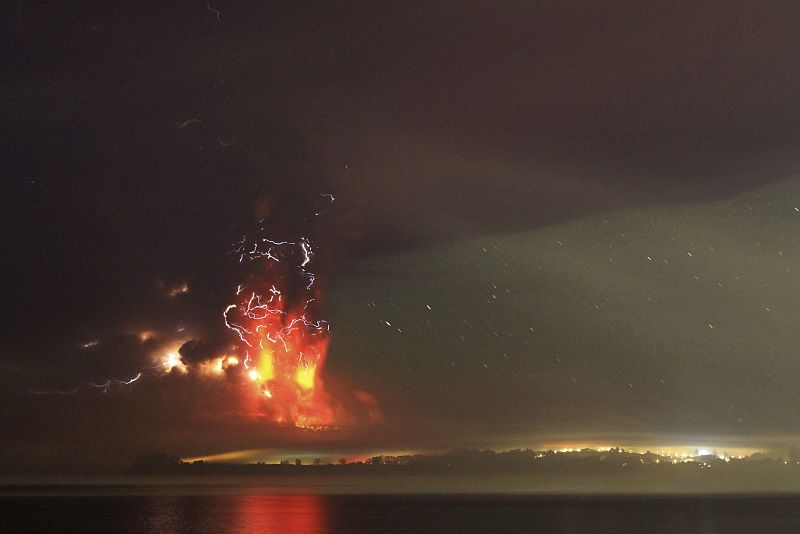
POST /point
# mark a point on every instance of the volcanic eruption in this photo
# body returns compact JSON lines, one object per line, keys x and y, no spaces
{"x":283,"y":342}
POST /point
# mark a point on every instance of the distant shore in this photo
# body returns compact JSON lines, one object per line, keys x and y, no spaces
{"x":516,"y":472}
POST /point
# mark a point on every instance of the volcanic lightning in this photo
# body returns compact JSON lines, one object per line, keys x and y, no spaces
{"x":280,"y":343}
{"x":284,"y":345}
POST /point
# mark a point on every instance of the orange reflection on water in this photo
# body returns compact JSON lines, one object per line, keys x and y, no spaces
{"x":279,"y":514}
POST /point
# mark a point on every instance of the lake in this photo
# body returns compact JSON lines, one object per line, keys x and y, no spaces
{"x":251,"y":512}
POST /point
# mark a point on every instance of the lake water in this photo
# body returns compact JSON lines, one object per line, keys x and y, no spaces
{"x":318,"y":514}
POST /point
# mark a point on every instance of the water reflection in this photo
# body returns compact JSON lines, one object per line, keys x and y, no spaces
{"x":191,"y":514}
{"x":281,"y":514}
{"x":287,"y":514}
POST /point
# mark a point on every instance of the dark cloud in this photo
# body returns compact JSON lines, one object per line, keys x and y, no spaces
{"x":120,"y":356}
{"x":196,"y":351}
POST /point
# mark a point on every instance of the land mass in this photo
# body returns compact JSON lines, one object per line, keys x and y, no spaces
{"x":580,"y":471}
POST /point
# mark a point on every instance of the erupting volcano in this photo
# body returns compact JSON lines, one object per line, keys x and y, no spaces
{"x":284,"y":345}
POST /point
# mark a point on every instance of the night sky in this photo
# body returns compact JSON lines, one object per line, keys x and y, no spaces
{"x":552,"y":220}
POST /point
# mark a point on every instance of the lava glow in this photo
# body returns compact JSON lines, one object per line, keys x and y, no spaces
{"x":283,"y":347}
{"x":218,"y":366}
{"x":172,"y":360}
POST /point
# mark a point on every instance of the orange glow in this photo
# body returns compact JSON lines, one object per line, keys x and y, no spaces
{"x":172,"y":361}
{"x":304,"y":376}
{"x":218,"y":366}
{"x":146,"y":335}
{"x":285,"y":372}
{"x":287,"y":514}
{"x":283,"y":354}
{"x":282,"y":344}
{"x":180,"y":289}
{"x":266,"y":366}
